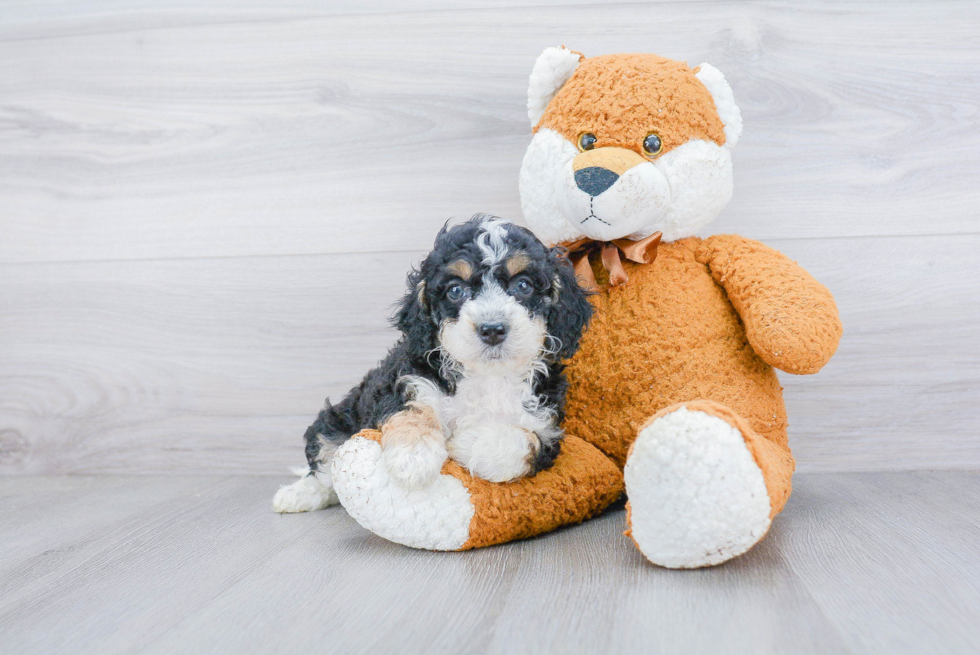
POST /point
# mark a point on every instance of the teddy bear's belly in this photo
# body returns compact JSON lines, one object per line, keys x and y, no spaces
{"x":669,"y":335}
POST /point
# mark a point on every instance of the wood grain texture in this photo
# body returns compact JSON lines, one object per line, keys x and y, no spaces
{"x":206,"y":212}
{"x":325,"y":134}
{"x":220,"y":364}
{"x":861,"y":562}
{"x":936,"y":517}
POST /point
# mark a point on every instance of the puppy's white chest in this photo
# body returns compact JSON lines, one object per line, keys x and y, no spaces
{"x":489,"y":428}
{"x":484,"y":399}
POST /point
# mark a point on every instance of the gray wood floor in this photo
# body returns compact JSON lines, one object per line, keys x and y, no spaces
{"x":858,"y":563}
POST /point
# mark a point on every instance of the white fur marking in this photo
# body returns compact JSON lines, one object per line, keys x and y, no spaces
{"x":492,"y":418}
{"x":522,"y":349}
{"x":309,"y":493}
{"x":494,"y":451}
{"x":492,"y":241}
{"x":436,"y":517}
{"x":414,"y":465}
{"x":491,"y":421}
{"x":697,"y":497}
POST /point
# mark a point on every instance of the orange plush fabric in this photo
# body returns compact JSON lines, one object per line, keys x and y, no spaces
{"x":701,"y":326}
{"x":581,"y":483}
{"x":669,"y":335}
{"x":785,"y":311}
{"x":706,"y":323}
{"x":623,"y":98}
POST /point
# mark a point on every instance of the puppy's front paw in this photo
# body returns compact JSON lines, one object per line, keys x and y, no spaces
{"x":414,"y":465}
{"x":495,"y":452}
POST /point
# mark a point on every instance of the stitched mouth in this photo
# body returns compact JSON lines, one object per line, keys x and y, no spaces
{"x":592,"y":214}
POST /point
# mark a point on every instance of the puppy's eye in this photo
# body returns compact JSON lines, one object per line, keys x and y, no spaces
{"x":521,"y":288}
{"x":586,"y":141}
{"x":457,"y":292}
{"x":652,"y":145}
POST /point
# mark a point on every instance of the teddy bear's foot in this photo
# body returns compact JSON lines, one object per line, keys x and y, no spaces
{"x":435,"y":517}
{"x":458,"y":511}
{"x":702,"y":486}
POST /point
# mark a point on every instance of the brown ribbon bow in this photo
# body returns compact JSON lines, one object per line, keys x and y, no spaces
{"x":643,"y":251}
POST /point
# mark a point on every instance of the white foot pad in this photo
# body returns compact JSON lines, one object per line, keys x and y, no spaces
{"x":436,"y":517}
{"x":305,"y":495}
{"x":697,"y":497}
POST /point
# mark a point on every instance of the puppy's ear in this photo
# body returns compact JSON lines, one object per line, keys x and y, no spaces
{"x":570,"y":310}
{"x":414,"y":317}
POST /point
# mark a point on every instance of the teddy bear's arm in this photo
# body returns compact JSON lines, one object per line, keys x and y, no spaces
{"x":790,"y":319}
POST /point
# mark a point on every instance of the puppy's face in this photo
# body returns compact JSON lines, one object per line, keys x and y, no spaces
{"x":494,"y":299}
{"x":492,"y":303}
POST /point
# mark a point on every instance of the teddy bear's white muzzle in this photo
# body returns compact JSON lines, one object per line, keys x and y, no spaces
{"x":604,"y":206}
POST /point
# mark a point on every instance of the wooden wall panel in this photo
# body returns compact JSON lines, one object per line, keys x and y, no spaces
{"x":205,"y":213}
{"x":220,"y":364}
{"x":323,"y":134}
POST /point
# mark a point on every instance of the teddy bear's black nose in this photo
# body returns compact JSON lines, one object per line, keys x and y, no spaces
{"x":492,"y":333}
{"x":595,"y":179}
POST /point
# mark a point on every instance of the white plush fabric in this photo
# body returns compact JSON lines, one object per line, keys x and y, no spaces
{"x":630,"y":207}
{"x":552,"y":69}
{"x":435,"y":518}
{"x":677,"y":194}
{"x":547,"y":164}
{"x":697,"y":497}
{"x":699,"y":176}
{"x":721,"y":92}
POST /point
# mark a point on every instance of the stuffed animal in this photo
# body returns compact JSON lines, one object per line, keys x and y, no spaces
{"x":674,"y":381}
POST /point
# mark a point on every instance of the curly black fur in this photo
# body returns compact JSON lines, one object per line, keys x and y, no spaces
{"x":422,"y":311}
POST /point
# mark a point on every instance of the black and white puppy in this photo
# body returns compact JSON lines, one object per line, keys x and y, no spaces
{"x":477,"y":374}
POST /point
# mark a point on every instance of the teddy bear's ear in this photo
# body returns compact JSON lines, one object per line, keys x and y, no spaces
{"x":724,"y":99}
{"x":550,"y":72}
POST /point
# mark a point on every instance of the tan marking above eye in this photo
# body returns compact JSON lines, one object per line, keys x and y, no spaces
{"x":617,"y":160}
{"x":461,"y":269}
{"x":517,"y":263}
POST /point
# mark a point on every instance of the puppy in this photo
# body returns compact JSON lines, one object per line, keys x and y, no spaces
{"x":477,"y":374}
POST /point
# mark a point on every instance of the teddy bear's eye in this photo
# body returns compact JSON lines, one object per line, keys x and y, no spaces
{"x":652,"y":145}
{"x":586,"y":141}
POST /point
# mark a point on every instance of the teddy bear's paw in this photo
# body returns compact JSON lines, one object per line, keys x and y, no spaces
{"x":435,"y":517}
{"x":307,"y":494}
{"x":696,"y":495}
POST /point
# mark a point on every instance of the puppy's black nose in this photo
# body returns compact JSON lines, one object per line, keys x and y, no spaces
{"x":595,"y":179}
{"x":492,"y":333}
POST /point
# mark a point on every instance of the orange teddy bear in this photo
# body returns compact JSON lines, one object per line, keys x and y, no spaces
{"x":674,"y":383}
